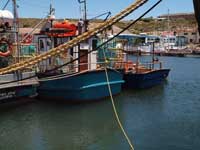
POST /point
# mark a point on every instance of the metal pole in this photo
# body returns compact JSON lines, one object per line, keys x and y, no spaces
{"x":85,"y":16}
{"x":168,"y":31}
{"x":16,"y":40}
{"x":153,"y":56}
{"x":16,"y":29}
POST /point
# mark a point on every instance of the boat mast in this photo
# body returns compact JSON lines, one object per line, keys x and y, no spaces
{"x":15,"y":20}
{"x":16,"y":28}
{"x":51,"y":14}
{"x":168,"y":31}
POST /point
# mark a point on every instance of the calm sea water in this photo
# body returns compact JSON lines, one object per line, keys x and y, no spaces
{"x":165,"y":117}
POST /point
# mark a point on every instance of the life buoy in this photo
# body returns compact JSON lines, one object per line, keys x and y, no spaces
{"x":8,"y":50}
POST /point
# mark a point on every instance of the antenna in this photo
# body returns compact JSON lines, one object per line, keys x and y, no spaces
{"x":51,"y":14}
{"x":84,"y":14}
{"x":168,"y":31}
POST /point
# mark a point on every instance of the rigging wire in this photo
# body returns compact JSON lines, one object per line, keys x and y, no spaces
{"x":6,"y":4}
{"x":65,"y":64}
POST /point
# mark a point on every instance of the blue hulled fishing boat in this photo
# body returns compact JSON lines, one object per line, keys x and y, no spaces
{"x":82,"y":86}
{"x":81,"y":80}
{"x":135,"y":74}
{"x":142,"y":77}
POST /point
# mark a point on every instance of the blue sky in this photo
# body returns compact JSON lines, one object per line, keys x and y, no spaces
{"x":71,"y":8}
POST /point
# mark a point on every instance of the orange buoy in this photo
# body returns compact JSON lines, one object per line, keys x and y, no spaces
{"x":63,"y":29}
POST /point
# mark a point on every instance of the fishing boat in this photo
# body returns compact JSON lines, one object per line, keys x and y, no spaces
{"x":140,"y":76}
{"x":144,"y":75}
{"x":82,"y":80}
{"x":136,"y":75}
{"x":19,"y":84}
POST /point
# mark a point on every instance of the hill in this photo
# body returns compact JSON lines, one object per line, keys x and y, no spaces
{"x":144,"y":25}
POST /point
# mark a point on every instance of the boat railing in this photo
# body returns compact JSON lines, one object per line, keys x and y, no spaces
{"x":131,"y":65}
{"x":22,"y":52}
{"x":152,"y":65}
{"x":73,"y":67}
{"x":96,"y":65}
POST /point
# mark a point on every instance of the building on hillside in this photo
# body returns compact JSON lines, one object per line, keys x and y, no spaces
{"x":178,"y":16}
{"x":191,"y":34}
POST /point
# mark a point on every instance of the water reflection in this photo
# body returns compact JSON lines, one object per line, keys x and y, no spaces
{"x":166,"y":117}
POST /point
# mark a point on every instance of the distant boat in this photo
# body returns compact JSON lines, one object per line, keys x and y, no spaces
{"x":83,"y":86}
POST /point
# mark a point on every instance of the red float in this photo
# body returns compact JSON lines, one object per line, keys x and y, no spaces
{"x":63,"y":29}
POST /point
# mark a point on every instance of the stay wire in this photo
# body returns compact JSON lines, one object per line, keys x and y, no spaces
{"x":6,"y":5}
{"x":104,"y":43}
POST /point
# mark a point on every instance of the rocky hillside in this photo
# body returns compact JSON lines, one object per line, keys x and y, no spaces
{"x":150,"y":25}
{"x":144,"y":25}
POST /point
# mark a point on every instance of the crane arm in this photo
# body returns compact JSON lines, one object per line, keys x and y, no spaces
{"x":106,"y":13}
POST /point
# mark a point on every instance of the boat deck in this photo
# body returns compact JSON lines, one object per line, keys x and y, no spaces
{"x":11,"y":80}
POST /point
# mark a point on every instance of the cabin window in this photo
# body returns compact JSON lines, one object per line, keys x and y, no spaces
{"x":193,"y":33}
{"x":185,"y":33}
{"x":94,"y":44}
{"x":172,"y":41}
{"x":48,"y":42}
{"x":41,"y":44}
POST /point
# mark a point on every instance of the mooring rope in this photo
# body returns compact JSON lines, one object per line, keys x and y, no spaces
{"x":114,"y":106}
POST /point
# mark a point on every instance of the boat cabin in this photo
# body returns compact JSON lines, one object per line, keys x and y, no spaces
{"x":55,"y":34}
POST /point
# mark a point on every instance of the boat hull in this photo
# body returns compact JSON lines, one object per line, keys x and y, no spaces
{"x":85,"y":86}
{"x":145,"y":80}
{"x":12,"y":90}
{"x":11,"y":94}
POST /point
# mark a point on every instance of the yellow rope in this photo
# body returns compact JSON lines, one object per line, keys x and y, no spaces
{"x":114,"y":108}
{"x":64,"y":47}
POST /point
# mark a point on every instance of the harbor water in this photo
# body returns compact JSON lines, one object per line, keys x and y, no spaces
{"x":165,"y":117}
